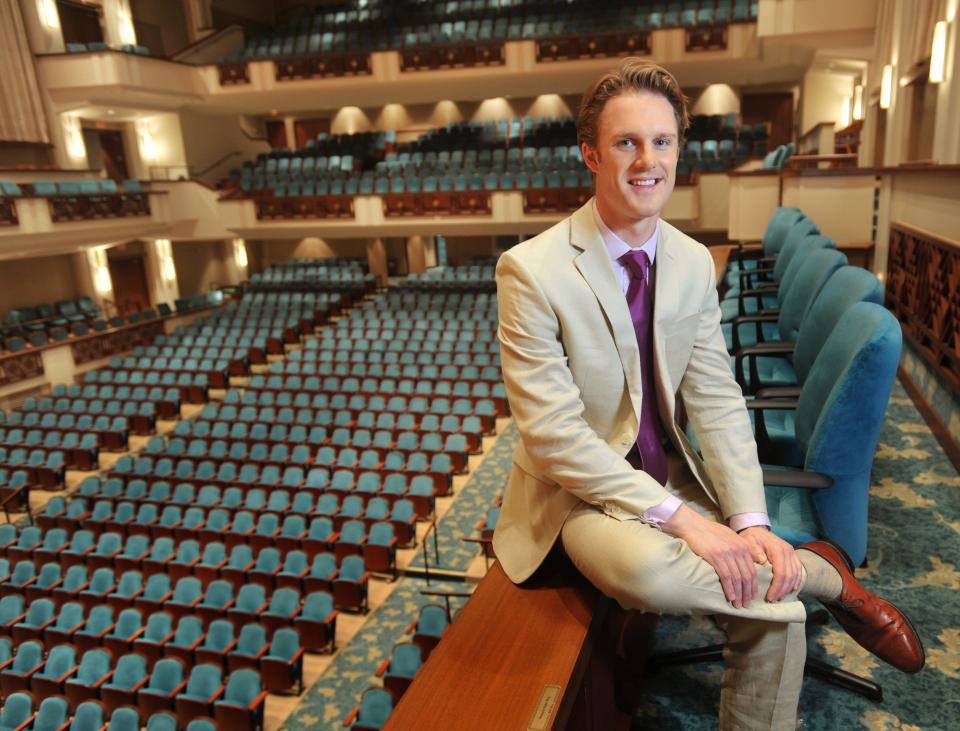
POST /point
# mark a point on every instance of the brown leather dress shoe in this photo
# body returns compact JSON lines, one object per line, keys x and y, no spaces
{"x":876,"y":624}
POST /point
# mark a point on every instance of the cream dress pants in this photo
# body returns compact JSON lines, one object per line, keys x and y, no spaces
{"x":645,"y":569}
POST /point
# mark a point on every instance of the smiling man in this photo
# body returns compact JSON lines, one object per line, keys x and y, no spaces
{"x":608,"y":321}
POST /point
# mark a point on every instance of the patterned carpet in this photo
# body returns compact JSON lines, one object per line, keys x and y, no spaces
{"x":913,"y":558}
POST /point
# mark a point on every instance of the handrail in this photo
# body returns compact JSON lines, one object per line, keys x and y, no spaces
{"x":200,"y":42}
{"x":223,"y":158}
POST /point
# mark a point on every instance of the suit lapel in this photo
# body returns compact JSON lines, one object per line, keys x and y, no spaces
{"x":665,"y":306}
{"x":594,"y":265}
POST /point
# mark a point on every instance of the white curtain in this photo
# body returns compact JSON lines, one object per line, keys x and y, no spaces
{"x":22,"y":118}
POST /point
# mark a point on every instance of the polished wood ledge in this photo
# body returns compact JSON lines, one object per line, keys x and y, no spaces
{"x":538,"y":656}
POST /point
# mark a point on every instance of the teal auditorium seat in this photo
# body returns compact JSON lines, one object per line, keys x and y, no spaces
{"x":787,"y":364}
{"x":834,"y":433}
{"x":805,"y":278}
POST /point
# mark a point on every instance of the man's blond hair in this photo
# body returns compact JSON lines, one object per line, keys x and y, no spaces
{"x":632,"y":75}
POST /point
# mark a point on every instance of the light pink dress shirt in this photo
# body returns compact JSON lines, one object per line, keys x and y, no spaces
{"x":617,"y":247}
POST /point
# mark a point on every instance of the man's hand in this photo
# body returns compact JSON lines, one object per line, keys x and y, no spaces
{"x":729,"y":554}
{"x":787,"y":569}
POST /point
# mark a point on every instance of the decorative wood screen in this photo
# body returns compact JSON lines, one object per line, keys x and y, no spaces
{"x":923,"y":291}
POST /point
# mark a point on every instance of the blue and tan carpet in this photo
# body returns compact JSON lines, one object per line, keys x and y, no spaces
{"x":913,"y":556}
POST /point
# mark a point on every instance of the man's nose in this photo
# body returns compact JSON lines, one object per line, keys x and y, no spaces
{"x":644,"y":158}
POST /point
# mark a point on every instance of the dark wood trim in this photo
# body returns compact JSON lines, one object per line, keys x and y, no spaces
{"x":951,"y":447}
{"x":913,"y":168}
{"x":758,"y":173}
{"x":201,"y":41}
{"x":23,"y":143}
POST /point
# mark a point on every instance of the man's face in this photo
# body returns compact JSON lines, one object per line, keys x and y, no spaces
{"x":635,"y":160}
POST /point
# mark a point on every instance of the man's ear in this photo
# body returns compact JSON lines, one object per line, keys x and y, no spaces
{"x":590,"y":157}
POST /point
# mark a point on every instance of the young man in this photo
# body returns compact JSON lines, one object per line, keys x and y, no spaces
{"x":604,"y":319}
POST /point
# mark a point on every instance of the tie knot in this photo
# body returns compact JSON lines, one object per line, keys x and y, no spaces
{"x":637,"y":261}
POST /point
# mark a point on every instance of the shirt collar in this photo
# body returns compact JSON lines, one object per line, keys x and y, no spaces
{"x":617,"y":247}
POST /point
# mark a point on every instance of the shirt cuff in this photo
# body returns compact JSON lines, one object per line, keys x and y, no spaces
{"x":662,"y":512}
{"x":742,"y":521}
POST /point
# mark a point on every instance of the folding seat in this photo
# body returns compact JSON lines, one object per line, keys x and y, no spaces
{"x":282,"y":665}
{"x":92,"y":672}
{"x":49,"y":680}
{"x":317,"y":623}
{"x":16,"y":675}
{"x":157,"y":633}
{"x":302,"y":504}
{"x":129,"y":589}
{"x":129,"y":676}
{"x":132,"y":555}
{"x":217,"y":600}
{"x":90,"y":715}
{"x":166,"y":682}
{"x":218,"y":522}
{"x":284,"y":607}
{"x":40,"y":614}
{"x":183,"y":494}
{"x":250,"y":604}
{"x":156,"y":594}
{"x":105,"y":552}
{"x":187,"y":594}
{"x":213,"y":559}
{"x":17,"y":712}
{"x":422,"y":494}
{"x":170,"y":519}
{"x":28,"y":541}
{"x":379,"y":550}
{"x":161,"y":554}
{"x":375,"y":707}
{"x":266,"y":566}
{"x":398,"y":671}
{"x":193,"y":520}
{"x":242,"y":705}
{"x":251,"y":646}
{"x":186,"y":639}
{"x":99,"y":622}
{"x":208,"y":496}
{"x":22,"y":576}
{"x":431,"y":624}
{"x":318,"y":478}
{"x":119,"y":640}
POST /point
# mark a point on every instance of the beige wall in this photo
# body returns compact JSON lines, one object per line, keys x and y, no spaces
{"x":273,"y":252}
{"x":821,"y":98}
{"x":209,"y":138}
{"x":715,"y":99}
{"x":462,"y":248}
{"x":26,"y":282}
{"x":200,"y":264}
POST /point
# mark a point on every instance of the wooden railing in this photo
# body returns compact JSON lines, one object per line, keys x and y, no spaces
{"x":348,"y":63}
{"x":923,"y":291}
{"x":594,"y":45}
{"x":457,"y":55}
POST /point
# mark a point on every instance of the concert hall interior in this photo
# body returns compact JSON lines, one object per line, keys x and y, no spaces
{"x":254,"y":429}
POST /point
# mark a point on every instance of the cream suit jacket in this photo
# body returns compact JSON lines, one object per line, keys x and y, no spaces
{"x":571,"y":366}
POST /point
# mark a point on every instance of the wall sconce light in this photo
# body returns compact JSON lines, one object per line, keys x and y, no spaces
{"x":886,"y":86}
{"x":165,"y":254}
{"x":858,"y":101}
{"x":125,"y":27}
{"x":938,"y":53}
{"x":148,"y":147}
{"x":74,"y":137}
{"x":240,"y":253}
{"x":101,"y":270}
{"x":845,"y":112}
{"x":49,"y":16}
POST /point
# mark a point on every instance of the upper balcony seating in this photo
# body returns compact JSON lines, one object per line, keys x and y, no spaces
{"x":81,"y":200}
{"x":445,"y":34}
{"x":96,"y":46}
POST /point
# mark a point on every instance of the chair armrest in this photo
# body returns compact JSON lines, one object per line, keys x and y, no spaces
{"x":779,"y":392}
{"x":772,"y":404}
{"x":102,"y":680}
{"x":258,"y":700}
{"x":382,"y":669}
{"x":769,"y":347}
{"x":745,"y":319}
{"x":353,"y":714}
{"x":796,"y":478}
{"x":332,"y":616}
{"x":67,"y":674}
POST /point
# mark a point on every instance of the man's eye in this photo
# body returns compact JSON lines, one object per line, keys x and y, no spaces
{"x":663,"y":142}
{"x":625,"y":143}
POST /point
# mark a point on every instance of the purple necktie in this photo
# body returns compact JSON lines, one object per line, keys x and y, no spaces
{"x":640,"y":301}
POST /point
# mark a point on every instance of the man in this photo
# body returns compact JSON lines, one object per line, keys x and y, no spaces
{"x":605,"y":319}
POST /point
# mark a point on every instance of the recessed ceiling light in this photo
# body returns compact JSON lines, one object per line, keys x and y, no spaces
{"x":110,"y":112}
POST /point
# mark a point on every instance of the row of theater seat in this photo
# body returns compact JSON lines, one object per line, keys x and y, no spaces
{"x":96,"y":46}
{"x":383,"y":26}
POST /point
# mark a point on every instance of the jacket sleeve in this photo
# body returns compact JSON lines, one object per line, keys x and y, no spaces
{"x":547,"y":405}
{"x":717,"y":412}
